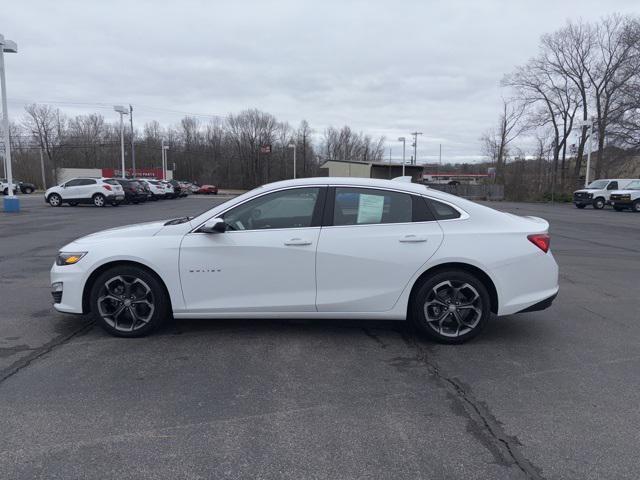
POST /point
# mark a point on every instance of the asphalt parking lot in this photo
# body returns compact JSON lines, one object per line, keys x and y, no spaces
{"x":552,"y":394}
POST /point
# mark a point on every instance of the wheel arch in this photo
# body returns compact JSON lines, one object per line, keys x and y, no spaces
{"x":466,"y":267}
{"x":88,"y":285}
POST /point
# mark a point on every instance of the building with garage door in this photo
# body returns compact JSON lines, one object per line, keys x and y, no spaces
{"x":381,"y":170}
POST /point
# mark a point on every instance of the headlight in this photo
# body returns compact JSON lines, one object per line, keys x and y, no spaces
{"x":69,"y":258}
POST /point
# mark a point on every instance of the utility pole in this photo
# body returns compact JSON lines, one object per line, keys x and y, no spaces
{"x":133,"y":152}
{"x":389,"y":173}
{"x":415,"y":146}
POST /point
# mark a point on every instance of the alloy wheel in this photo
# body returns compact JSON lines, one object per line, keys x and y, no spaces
{"x":126,"y":303}
{"x":453,"y":308}
{"x":98,"y":200}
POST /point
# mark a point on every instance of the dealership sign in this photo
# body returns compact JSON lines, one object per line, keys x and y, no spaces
{"x":140,"y":172}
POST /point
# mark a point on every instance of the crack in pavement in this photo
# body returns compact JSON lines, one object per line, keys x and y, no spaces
{"x":478,"y":413}
{"x":38,"y":352}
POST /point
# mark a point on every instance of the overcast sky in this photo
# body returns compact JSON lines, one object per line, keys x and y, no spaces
{"x":382,"y":67}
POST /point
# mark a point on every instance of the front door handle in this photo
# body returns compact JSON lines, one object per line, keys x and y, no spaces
{"x":298,"y":241}
{"x":413,"y":239}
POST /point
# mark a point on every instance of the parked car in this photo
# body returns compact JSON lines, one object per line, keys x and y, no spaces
{"x":304,"y":249}
{"x":92,"y":190}
{"x":178,"y":191}
{"x":169,"y":191}
{"x":629,"y":197}
{"x":597,"y":192}
{"x":155,"y":188}
{"x":26,"y":187}
{"x":207,"y":190}
{"x":134,"y":192}
{"x":4,"y":186}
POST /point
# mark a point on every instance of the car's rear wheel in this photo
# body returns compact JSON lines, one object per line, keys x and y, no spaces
{"x":128,"y":301}
{"x":28,"y":190}
{"x":452,"y":306}
{"x":636,"y":206}
{"x":98,"y":200}
{"x":598,"y":203}
{"x":55,"y":200}
{"x":5,"y":191}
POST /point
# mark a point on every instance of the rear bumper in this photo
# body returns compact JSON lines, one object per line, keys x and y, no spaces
{"x":541,"y":305}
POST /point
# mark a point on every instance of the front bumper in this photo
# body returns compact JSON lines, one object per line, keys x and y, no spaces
{"x":621,"y":202}
{"x":69,"y":297}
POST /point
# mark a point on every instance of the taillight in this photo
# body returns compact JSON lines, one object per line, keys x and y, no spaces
{"x":107,"y":187}
{"x":540,"y":240}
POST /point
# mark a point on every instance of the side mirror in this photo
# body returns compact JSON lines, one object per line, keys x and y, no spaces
{"x":215,"y":225}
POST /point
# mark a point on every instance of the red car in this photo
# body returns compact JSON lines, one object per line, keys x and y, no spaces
{"x":208,"y":189}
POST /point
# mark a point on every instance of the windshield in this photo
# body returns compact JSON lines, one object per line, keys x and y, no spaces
{"x":635,"y":185}
{"x":598,"y":184}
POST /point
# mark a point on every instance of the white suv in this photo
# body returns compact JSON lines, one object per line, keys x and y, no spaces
{"x":627,"y":198}
{"x":96,"y":191}
{"x":597,"y":192}
{"x":156,"y":187}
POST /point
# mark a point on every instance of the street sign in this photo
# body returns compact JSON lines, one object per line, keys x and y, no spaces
{"x":265,"y":149}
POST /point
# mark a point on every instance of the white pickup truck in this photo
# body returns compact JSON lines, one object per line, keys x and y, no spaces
{"x":597,"y":192}
{"x":629,"y":197}
{"x":4,"y":187}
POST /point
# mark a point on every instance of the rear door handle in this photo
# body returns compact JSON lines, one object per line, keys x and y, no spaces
{"x":297,"y":241}
{"x":413,"y":239}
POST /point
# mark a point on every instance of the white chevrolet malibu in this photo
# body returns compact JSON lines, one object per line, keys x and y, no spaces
{"x":316,"y":248}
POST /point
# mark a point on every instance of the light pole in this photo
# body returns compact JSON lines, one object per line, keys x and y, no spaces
{"x":10,"y":202}
{"x":133,"y":151}
{"x":164,"y":159}
{"x":403,"y":140}
{"x":588,"y":123}
{"x":415,"y":147}
{"x":122,"y":111}
{"x":293,"y":146}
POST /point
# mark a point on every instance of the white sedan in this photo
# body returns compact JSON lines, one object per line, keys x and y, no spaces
{"x":316,"y":248}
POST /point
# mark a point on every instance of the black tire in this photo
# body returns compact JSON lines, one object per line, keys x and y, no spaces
{"x":437,"y":297}
{"x":635,"y":206}
{"x":617,"y":208}
{"x":73,"y":204}
{"x":599,"y":203}
{"x":5,"y":191}
{"x":109,"y":295}
{"x":580,"y":205}
{"x":98,"y":200}
{"x":55,"y":200}
{"x":28,"y":190}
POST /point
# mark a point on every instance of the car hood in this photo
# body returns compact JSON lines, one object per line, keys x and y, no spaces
{"x":148,"y":229}
{"x":587,"y":190}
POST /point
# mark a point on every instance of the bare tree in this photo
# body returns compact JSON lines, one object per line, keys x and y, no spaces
{"x":47,"y":126}
{"x":496,"y":141}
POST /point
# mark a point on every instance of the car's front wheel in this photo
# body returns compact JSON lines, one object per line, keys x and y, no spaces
{"x":452,"y":306}
{"x":98,"y":200}
{"x":55,"y":200}
{"x":598,"y":203}
{"x":128,"y":301}
{"x":28,"y":190}
{"x":636,"y":206}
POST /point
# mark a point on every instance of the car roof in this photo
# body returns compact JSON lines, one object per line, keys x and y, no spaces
{"x":351,"y":181}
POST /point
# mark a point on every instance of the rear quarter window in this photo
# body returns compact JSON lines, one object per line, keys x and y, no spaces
{"x":442,"y":211}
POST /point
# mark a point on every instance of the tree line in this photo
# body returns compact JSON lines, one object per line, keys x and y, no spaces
{"x":584,"y":74}
{"x":242,"y":150}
